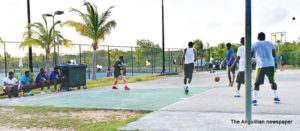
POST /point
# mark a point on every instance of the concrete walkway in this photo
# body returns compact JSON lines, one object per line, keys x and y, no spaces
{"x":216,"y":108}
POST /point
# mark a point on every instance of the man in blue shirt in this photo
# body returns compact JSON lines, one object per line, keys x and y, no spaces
{"x":41,"y":80}
{"x":55,"y":78}
{"x":265,"y":66}
{"x":27,"y":83}
{"x":230,"y":61}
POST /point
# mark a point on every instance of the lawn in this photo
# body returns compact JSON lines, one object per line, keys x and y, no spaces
{"x":55,"y":118}
{"x":104,"y":82}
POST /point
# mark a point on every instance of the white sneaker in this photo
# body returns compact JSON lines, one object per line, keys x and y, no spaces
{"x":237,"y":94}
{"x":49,"y":91}
{"x":187,"y":87}
{"x":42,"y":92}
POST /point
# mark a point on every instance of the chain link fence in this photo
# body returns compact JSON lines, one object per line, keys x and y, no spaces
{"x":139,"y":60}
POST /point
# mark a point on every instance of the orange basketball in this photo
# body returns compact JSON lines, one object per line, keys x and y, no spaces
{"x":217,"y":79}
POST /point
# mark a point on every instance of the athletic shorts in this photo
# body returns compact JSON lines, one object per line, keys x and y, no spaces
{"x":210,"y":66}
{"x":57,"y":81}
{"x":4,"y":89}
{"x":188,"y":70}
{"x":117,"y":73}
{"x":240,"y":77}
{"x":232,"y":70}
{"x":260,"y":75}
{"x":23,"y":86}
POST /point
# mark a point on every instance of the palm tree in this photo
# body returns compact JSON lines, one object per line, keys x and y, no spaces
{"x":42,"y":36}
{"x":94,"y":26}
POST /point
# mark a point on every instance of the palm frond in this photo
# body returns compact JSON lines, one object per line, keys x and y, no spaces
{"x":104,"y":16}
{"x":106,"y":29}
{"x":79,"y":27}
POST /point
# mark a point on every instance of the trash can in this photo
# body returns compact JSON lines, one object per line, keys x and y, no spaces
{"x":74,"y":76}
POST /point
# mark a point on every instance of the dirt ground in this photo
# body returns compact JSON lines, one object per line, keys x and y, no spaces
{"x":85,"y":116}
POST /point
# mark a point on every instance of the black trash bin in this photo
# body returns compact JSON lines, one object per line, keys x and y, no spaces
{"x":74,"y":76}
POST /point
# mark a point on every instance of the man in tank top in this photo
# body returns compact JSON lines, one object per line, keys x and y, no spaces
{"x":188,"y":58}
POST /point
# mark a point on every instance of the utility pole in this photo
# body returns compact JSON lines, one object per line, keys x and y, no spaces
{"x":163,"y":38}
{"x":29,"y":32}
{"x":248,"y":28}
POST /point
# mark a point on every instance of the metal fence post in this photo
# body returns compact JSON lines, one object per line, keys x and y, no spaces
{"x":108,"y":58}
{"x":151,"y":50}
{"x":80,"y":54}
{"x":169,"y":60}
{"x":131,"y":61}
{"x":154,"y":61}
{"x":5,"y":60}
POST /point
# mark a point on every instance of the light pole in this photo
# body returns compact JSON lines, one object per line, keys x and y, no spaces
{"x":30,"y":47}
{"x":248,"y":28}
{"x":56,"y":58}
{"x":163,"y":37}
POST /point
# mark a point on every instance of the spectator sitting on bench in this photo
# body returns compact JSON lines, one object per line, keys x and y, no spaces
{"x":56,"y":78}
{"x":41,"y":80}
{"x":11,"y":85}
{"x":27,"y":83}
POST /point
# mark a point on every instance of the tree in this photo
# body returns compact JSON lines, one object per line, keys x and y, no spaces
{"x":198,"y":44}
{"x":42,"y":37}
{"x":94,"y":26}
{"x":144,"y":50}
{"x":115,"y":54}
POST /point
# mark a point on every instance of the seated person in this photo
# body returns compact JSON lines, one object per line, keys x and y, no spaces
{"x":108,"y":73}
{"x":55,"y":78}
{"x":41,"y":80}
{"x":27,"y":83}
{"x":11,"y":85}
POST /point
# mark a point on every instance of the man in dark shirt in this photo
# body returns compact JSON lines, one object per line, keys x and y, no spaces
{"x":41,"y":80}
{"x":119,"y":66}
{"x":55,"y":78}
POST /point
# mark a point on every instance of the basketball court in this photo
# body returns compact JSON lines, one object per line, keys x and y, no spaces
{"x":209,"y":104}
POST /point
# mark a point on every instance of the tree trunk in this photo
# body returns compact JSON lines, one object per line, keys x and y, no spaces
{"x":94,"y":65}
{"x":48,"y":61}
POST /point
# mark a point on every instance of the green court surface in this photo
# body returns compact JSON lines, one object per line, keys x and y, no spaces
{"x":140,"y":99}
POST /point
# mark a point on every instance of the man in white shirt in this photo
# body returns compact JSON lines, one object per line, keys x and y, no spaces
{"x":211,"y":65}
{"x":188,"y":58}
{"x":241,"y":59}
{"x":10,"y":85}
{"x":264,"y":53}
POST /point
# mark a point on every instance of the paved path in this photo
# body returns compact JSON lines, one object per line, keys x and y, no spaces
{"x":216,"y":108}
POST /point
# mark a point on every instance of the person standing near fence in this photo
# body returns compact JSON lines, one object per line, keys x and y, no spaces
{"x":188,"y":58}
{"x":211,"y":65}
{"x":281,"y":63}
{"x":119,"y":66}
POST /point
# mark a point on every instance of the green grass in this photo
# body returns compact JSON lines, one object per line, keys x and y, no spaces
{"x":106,"y":126}
{"x":103,"y":82}
{"x":291,"y":67}
{"x":36,"y":118}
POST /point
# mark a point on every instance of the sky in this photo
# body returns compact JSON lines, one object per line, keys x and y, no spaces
{"x":212,"y":21}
